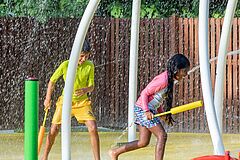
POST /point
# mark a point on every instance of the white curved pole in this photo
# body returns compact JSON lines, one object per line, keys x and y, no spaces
{"x":71,"y":73}
{"x":221,"y":63}
{"x":133,"y":65}
{"x":206,"y":80}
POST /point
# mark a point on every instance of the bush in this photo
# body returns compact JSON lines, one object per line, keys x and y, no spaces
{"x":44,"y":9}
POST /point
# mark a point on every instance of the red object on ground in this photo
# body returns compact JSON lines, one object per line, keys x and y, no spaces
{"x":216,"y":157}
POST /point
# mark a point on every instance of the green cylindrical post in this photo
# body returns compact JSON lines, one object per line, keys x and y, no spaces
{"x":31,"y":119}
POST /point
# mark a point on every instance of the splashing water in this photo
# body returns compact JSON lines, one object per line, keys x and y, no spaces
{"x":213,"y":59}
{"x":124,"y":132}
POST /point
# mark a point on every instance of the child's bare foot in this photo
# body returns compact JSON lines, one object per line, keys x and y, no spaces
{"x":112,"y":154}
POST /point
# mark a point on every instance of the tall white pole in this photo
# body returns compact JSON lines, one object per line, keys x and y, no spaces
{"x":71,"y":73}
{"x":221,"y":63}
{"x":206,"y":80}
{"x":133,"y":68}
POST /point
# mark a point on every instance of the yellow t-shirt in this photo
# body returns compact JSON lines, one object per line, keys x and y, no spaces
{"x":84,"y":77}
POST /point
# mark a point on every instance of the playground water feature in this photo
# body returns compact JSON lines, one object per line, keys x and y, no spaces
{"x":182,"y":146}
{"x":12,"y":140}
{"x":213,"y":59}
{"x":81,"y":147}
{"x":175,"y":147}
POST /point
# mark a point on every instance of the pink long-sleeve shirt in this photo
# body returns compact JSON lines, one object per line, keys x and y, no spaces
{"x":158,"y":83}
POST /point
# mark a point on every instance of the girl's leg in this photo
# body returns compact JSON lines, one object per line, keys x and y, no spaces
{"x":161,"y":135}
{"x":144,"y":138}
{"x":92,"y":129}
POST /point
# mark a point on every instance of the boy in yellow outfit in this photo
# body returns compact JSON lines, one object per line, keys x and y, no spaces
{"x":81,"y":105}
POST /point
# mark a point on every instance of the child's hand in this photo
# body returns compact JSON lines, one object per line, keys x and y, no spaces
{"x":79,"y":92}
{"x":149,"y":115}
{"x":47,"y":104}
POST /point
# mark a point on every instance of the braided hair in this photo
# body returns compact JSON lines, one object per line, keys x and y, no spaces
{"x":174,"y":64}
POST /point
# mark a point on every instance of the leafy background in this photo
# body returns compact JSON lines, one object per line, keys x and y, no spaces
{"x":45,"y":9}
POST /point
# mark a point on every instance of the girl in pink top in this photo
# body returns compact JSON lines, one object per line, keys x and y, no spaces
{"x":155,"y":98}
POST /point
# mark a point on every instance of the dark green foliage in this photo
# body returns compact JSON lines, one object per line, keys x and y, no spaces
{"x":44,"y":9}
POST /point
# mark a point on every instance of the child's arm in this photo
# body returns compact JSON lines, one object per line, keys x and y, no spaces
{"x":47,"y":101}
{"x":82,"y":91}
{"x":51,"y":84}
{"x":90,"y":84}
{"x":158,"y":83}
{"x":144,"y":99}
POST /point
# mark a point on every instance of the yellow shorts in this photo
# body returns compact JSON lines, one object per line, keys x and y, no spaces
{"x":81,"y":110}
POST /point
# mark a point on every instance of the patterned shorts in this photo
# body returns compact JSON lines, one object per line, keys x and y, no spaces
{"x":141,"y":120}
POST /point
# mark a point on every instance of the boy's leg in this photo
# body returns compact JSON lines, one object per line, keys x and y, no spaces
{"x":144,"y":139}
{"x":92,"y":129}
{"x":161,"y":135}
{"x":50,"y":140}
{"x":56,"y":123}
